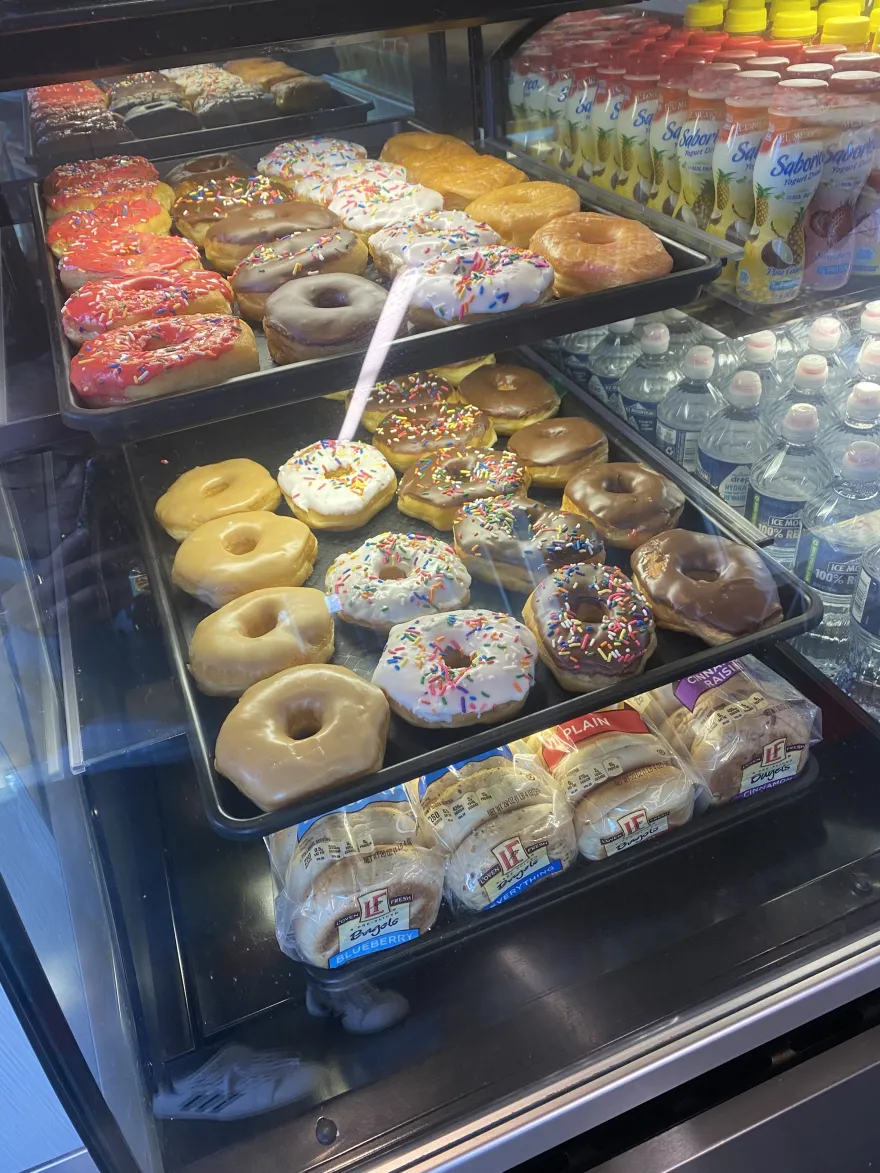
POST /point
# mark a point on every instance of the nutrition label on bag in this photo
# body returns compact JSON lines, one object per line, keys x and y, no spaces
{"x":866,"y":603}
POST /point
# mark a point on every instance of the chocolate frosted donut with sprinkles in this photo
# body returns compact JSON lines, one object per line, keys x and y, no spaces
{"x":478,"y":283}
{"x":592,"y":626}
{"x":460,"y":668}
{"x":435,"y":487}
{"x":406,"y":435}
{"x":417,"y":390}
{"x":195,"y":212}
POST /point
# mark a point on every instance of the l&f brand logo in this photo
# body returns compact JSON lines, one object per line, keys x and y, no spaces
{"x":510,"y":855}
{"x":773,"y":752}
{"x":374,"y":904}
{"x":633,"y":822}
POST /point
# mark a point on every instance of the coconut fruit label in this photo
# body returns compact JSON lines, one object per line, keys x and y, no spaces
{"x":635,"y":173}
{"x":603,"y":124}
{"x":733,"y":166}
{"x":696,"y":148}
{"x":787,"y":173}
{"x":663,"y":139}
{"x":829,"y":236}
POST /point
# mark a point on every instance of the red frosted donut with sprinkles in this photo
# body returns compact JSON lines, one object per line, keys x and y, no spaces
{"x":162,"y":356}
{"x":86,"y":171}
{"x":139,"y":215}
{"x":476,"y":284}
{"x":99,"y":306}
{"x":110,"y":253}
{"x":89,"y":195}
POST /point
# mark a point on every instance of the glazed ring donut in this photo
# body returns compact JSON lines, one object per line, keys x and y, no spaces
{"x":235,"y":237}
{"x":259,"y":634}
{"x":139,"y":215}
{"x":315,"y":317}
{"x":194,"y":172}
{"x":512,"y":397}
{"x":421,"y":389}
{"x":301,"y":733}
{"x":592,"y":626}
{"x":627,"y":503}
{"x":421,"y":143}
{"x":460,"y":179}
{"x":706,"y":585}
{"x":515,"y":542}
{"x":243,"y":552}
{"x":196,"y":210}
{"x":405,"y":436}
{"x":458,"y":668}
{"x":99,"y":306}
{"x":456,"y":372}
{"x":554,"y":450}
{"x":111,"y":253}
{"x":394,"y":578}
{"x":590,"y":251}
{"x":517,"y":212}
{"x":215,"y":490}
{"x":436,"y":487}
{"x":477,"y":285}
{"x":162,"y":356}
{"x":337,"y":484}
{"x":85,"y":171}
{"x":90,"y":195}
{"x":305,"y":154}
{"x":422,"y":239}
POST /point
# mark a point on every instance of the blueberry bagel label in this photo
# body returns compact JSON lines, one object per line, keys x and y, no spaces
{"x":381,"y":922}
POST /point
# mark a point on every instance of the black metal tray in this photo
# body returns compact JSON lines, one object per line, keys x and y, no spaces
{"x":275,"y":385}
{"x":154,"y":465}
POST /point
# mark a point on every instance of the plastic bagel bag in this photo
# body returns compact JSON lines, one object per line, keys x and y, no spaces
{"x":742,"y":727}
{"x":624,"y":782}
{"x":355,"y":881}
{"x":502,"y":822}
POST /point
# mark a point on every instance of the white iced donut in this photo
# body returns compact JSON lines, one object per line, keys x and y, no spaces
{"x":422,"y":239}
{"x":305,"y":154}
{"x":393,"y":578}
{"x":476,"y":283}
{"x":457,"y":668}
{"x":376,"y":203}
{"x":337,"y":484}
{"x":321,"y":183}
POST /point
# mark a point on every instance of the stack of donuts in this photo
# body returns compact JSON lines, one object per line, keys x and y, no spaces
{"x":447,"y":661}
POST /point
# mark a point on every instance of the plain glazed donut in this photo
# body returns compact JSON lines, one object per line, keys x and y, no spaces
{"x":197,"y":209}
{"x":301,"y":733}
{"x":460,"y":179}
{"x":243,"y":552}
{"x":512,"y":397}
{"x":421,"y":143}
{"x":517,"y":212}
{"x":394,"y":578}
{"x":215,"y":490}
{"x":162,"y":356}
{"x":235,"y":237}
{"x":259,"y":634}
{"x":421,"y":389}
{"x":478,"y":285}
{"x":590,"y":251}
{"x":706,"y":585}
{"x":139,"y":215}
{"x":554,"y":450}
{"x":337,"y":484}
{"x":422,"y":239}
{"x":305,"y":254}
{"x":315,"y":317}
{"x":406,"y":435}
{"x":436,"y":487}
{"x":194,"y":172}
{"x":458,"y":668}
{"x":627,"y":503}
{"x":592,"y":626}
{"x":109,"y":252}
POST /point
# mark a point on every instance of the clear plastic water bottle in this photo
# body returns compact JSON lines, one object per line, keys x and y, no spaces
{"x":726,"y":358}
{"x":867,"y":368}
{"x":759,"y":355}
{"x":809,"y":385}
{"x":860,"y":675}
{"x":684,"y":411}
{"x":575,"y":351}
{"x":611,"y":359}
{"x":826,"y":338}
{"x":830,"y":549}
{"x":684,"y":333}
{"x":861,"y":421}
{"x":785,"y":477}
{"x":869,"y":329}
{"x":729,"y":442}
{"x":648,"y":381}
{"x":787,"y":353}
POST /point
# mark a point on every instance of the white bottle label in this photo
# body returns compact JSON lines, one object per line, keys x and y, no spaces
{"x":678,"y":444}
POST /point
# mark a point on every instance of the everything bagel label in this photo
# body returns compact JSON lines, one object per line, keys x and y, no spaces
{"x":517,"y":867}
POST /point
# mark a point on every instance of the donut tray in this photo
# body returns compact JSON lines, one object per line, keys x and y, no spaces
{"x":270,"y":439}
{"x":273,"y":386}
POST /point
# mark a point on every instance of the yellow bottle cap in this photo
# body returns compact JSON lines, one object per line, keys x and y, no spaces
{"x":740,"y":21}
{"x":796,"y":25}
{"x":704,"y":15}
{"x":838,"y":8}
{"x":852,"y":31}
{"x":738,"y":5}
{"x":874,"y":19}
{"x":777,"y":6}
{"x":876,"y":45}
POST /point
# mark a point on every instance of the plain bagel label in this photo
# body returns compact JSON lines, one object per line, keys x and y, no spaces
{"x":572,"y":733}
{"x":381,"y":922}
{"x":517,"y":867}
{"x":635,"y":827}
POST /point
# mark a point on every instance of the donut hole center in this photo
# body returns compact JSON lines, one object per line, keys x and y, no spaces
{"x":214,"y":487}
{"x":587,"y":610}
{"x":393,"y":571}
{"x":455,"y":659}
{"x":240,"y":542}
{"x":330,"y":299}
{"x":617,"y":485}
{"x":302,"y":723}
{"x":338,"y":474}
{"x":702,"y":574}
{"x":260,"y":622}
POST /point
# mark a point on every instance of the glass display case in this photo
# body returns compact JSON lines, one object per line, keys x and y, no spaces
{"x":436,"y":729}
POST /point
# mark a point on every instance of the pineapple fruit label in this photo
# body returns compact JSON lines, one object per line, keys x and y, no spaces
{"x":733,"y":166}
{"x":787,"y":173}
{"x":696,"y":147}
{"x":829,"y":239}
{"x":603,"y":123}
{"x":663,"y":140}
{"x":635,"y":173}
{"x":560,"y":148}
{"x":578,"y":111}
{"x":866,"y":262}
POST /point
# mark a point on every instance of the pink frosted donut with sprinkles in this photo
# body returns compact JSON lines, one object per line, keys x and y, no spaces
{"x":592,"y":626}
{"x":478,"y":283}
{"x":394,"y":578}
{"x":337,"y":484}
{"x":422,"y":239}
{"x":458,"y":668}
{"x":303,"y":155}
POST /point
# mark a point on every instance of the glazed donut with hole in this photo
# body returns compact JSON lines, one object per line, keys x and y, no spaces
{"x":337,"y":484}
{"x":215,"y":490}
{"x":405,"y":436}
{"x":517,"y":212}
{"x":232,"y":556}
{"x":627,"y":503}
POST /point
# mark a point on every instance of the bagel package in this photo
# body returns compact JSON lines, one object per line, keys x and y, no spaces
{"x":502,"y":822}
{"x":624,"y":783}
{"x":741,"y":727}
{"x":355,"y":881}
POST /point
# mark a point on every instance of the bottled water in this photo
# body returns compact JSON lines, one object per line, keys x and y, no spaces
{"x":648,"y":381}
{"x":869,"y":329}
{"x":832,"y":542}
{"x":759,"y":355}
{"x":809,"y":386}
{"x":684,"y":411}
{"x":785,"y":477}
{"x":826,"y":338}
{"x":861,"y":421}
{"x":575,"y":351}
{"x":684,"y":333}
{"x":611,"y":359}
{"x":860,"y":675}
{"x":726,"y":358}
{"x":729,"y":442}
{"x":867,"y":368}
{"x":787,"y":353}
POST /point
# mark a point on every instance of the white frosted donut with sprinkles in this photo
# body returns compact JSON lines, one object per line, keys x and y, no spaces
{"x":459,"y":668}
{"x":305,"y":154}
{"x":478,"y":283}
{"x":394,"y":578}
{"x":337,"y":484}
{"x":422,"y":239}
{"x":376,"y":203}
{"x":320,"y":184}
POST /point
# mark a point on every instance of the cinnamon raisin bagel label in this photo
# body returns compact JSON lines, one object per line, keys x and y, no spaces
{"x":381,"y":922}
{"x":777,"y":762}
{"x":689,"y":690}
{"x":517,"y":867}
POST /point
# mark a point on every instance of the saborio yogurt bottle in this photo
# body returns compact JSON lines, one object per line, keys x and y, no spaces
{"x":578,"y":109}
{"x":535,"y":90}
{"x":849,"y":158}
{"x":787,"y":173}
{"x":675,"y":76}
{"x":516,"y":81}
{"x":866,"y":262}
{"x":603,"y":121}
{"x":703,"y":121}
{"x":559,"y":148}
{"x":635,"y":172}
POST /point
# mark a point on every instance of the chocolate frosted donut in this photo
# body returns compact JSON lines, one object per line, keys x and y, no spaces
{"x":516,"y":542}
{"x":627,"y":503}
{"x":436,"y":487}
{"x":305,"y":254}
{"x":161,"y":116}
{"x":233,"y":238}
{"x":195,"y":172}
{"x":706,"y":585}
{"x":315,"y":317}
{"x":554,"y":450}
{"x":412,"y":432}
{"x":417,"y":390}
{"x":195,"y":212}
{"x":512,"y":397}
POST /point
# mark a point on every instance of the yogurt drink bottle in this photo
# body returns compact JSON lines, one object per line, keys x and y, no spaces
{"x":516,"y":81}
{"x":665,"y":129}
{"x":635,"y":173}
{"x":559,"y":150}
{"x":578,"y":111}
{"x":535,"y":91}
{"x":703,"y":121}
{"x":603,"y":122}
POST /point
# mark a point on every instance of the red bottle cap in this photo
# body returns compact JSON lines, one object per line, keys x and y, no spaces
{"x":793,"y":50}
